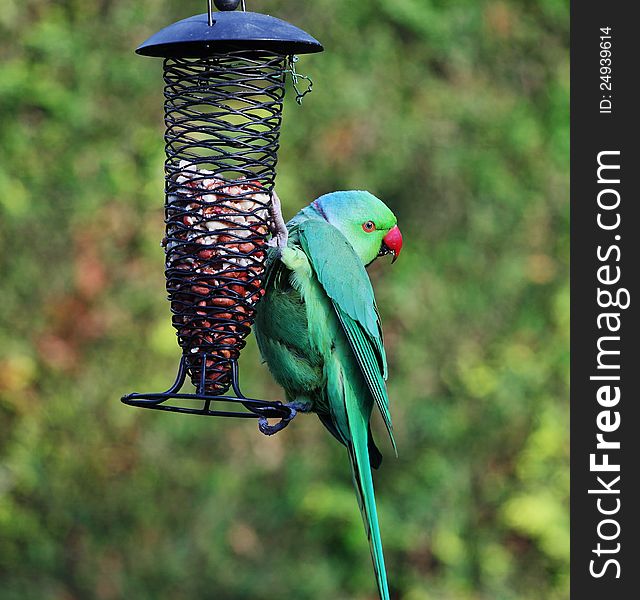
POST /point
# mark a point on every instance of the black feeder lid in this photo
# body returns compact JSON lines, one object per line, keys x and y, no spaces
{"x":194,"y":37}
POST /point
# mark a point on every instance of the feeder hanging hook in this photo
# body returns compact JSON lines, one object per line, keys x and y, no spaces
{"x":223,"y":5}
{"x":295,"y":78}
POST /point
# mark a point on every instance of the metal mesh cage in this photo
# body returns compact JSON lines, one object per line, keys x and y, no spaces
{"x":222,"y":117}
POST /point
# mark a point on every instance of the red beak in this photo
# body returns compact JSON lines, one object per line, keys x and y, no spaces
{"x":392,"y":242}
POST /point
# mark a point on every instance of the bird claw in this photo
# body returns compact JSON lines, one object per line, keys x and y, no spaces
{"x":278,"y":226}
{"x":266,"y":429}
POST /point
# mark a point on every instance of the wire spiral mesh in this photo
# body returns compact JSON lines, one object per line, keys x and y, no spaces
{"x":223,"y":117}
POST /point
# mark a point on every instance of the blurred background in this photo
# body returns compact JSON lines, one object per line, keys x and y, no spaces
{"x":456,"y":114}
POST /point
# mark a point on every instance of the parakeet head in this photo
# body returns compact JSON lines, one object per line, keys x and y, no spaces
{"x":366,"y":222}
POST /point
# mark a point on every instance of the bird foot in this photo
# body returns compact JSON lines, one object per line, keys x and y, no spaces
{"x":264,"y":427}
{"x":278,"y":226}
{"x":294,"y":408}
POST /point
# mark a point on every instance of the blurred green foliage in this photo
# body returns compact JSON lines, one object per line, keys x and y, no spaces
{"x":456,"y":114}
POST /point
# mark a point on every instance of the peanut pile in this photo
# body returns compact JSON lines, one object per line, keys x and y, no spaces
{"x":215,"y":249}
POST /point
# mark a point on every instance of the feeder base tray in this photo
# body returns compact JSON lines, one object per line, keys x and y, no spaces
{"x":260,"y":409}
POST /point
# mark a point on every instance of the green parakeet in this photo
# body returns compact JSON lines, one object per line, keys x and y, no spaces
{"x":319,"y":331}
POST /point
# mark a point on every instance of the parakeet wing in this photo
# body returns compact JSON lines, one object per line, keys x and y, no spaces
{"x":347,"y":284}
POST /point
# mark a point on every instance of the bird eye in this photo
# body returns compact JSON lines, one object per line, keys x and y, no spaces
{"x":368,"y":226}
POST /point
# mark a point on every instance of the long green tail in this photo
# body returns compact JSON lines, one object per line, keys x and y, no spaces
{"x":363,"y":482}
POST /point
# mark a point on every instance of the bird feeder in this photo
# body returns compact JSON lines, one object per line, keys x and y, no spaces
{"x":224,"y":75}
